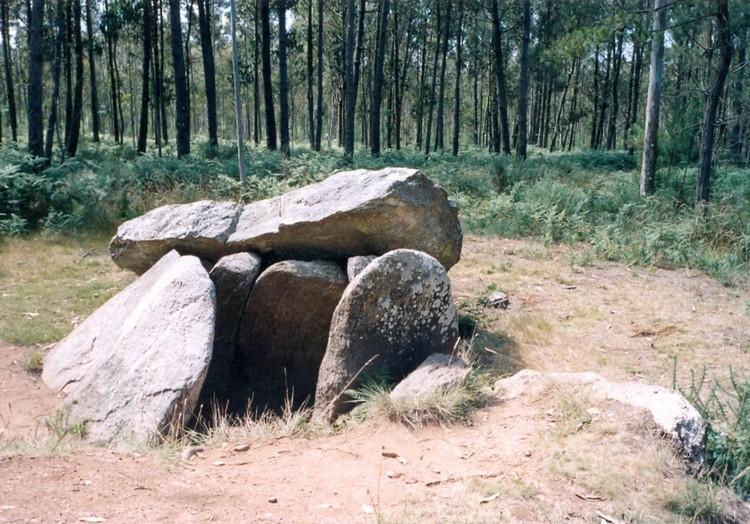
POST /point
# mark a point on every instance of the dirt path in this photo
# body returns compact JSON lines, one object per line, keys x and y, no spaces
{"x":556,"y":457}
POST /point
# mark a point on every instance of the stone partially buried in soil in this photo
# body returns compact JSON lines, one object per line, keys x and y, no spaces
{"x":283,"y":334}
{"x":438,"y":372}
{"x":392,"y":316}
{"x":144,"y":367}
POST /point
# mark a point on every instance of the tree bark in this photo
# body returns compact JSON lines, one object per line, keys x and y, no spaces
{"x":93,"y":87}
{"x":237,"y":95}
{"x":56,"y":72}
{"x":440,"y":124}
{"x":10,"y":88}
{"x":433,"y":85}
{"x":265,"y":55}
{"x":703,"y":187}
{"x":502,"y":98}
{"x":209,"y":69}
{"x":74,"y":123}
{"x":377,"y":87}
{"x":523,"y":81}
{"x":145,"y":78}
{"x":182,"y":100}
{"x":457,"y":89}
{"x":34,"y":94}
{"x":319,"y":108}
{"x":351,"y":87}
{"x":653,"y":100}
{"x":283,"y":81}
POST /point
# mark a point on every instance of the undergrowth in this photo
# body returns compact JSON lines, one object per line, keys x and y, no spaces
{"x":586,"y":196}
{"x":726,"y":411}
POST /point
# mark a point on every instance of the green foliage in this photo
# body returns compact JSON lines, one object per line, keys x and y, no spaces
{"x":726,"y":411}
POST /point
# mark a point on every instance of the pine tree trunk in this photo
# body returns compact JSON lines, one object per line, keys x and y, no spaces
{"x":265,"y":23}
{"x":350,"y":96}
{"x":377,"y":86}
{"x":440,"y":124}
{"x":182,"y":96}
{"x":56,"y":72}
{"x":502,"y":99}
{"x":319,"y":109}
{"x":310,"y":81}
{"x":10,"y":88}
{"x":703,"y":187}
{"x":145,"y":79}
{"x":283,"y":81}
{"x":209,"y":69}
{"x":523,"y":81}
{"x":738,"y":127}
{"x":74,"y":124}
{"x":457,"y":89}
{"x":653,"y":100}
{"x":433,"y":85}
{"x":256,"y":76}
{"x":612,"y":128}
{"x":93,"y":86}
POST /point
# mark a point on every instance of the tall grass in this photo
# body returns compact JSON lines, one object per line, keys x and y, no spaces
{"x":587,"y":196}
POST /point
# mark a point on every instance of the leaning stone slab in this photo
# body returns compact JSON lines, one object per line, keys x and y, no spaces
{"x":144,"y":357}
{"x":392,"y":316}
{"x":437,"y":373}
{"x":283,"y":335}
{"x":350,"y":213}
{"x":671,"y":412}
{"x":200,"y":228}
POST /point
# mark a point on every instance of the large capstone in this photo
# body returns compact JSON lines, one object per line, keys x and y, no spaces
{"x":200,"y":229}
{"x":350,"y":213}
{"x":392,"y":316}
{"x":133,"y":370}
{"x":283,"y":335}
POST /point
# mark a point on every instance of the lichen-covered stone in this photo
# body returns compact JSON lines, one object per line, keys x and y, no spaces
{"x":392,"y":316}
{"x":355,"y":265}
{"x":437,"y":373}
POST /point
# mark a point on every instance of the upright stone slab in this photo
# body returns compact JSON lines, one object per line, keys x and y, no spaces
{"x":283,"y":336}
{"x":234,"y":277}
{"x":392,"y":316}
{"x":350,"y":213}
{"x":146,"y":359}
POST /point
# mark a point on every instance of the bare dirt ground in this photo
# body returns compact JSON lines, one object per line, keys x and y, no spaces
{"x":553,"y":457}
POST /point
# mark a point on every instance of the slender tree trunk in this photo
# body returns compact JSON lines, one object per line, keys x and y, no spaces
{"x":703,"y":187}
{"x":351,"y":87}
{"x":310,"y":79}
{"x":523,"y":81}
{"x":209,"y":70}
{"x":265,"y":23}
{"x":653,"y":100}
{"x":67,"y":64}
{"x":93,"y":86}
{"x":615,"y":84}
{"x":420,"y":91}
{"x":440,"y":124}
{"x":256,"y":76}
{"x":36,"y":64}
{"x":457,"y":89}
{"x":433,"y":85}
{"x":145,"y":78}
{"x":10,"y":88}
{"x":319,"y":108}
{"x":74,"y":124}
{"x":595,"y":103}
{"x":56,"y":72}
{"x":738,"y":127}
{"x":237,"y":95}
{"x":500,"y":78}
{"x":182,"y":97}
{"x":377,"y":91}
{"x":401,"y":80}
{"x":283,"y":81}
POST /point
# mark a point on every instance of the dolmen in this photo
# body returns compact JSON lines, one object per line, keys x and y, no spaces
{"x":291,"y":299}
